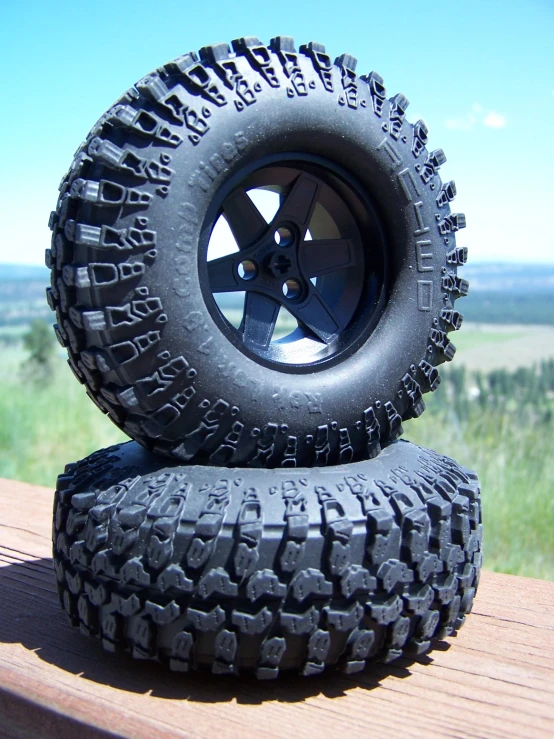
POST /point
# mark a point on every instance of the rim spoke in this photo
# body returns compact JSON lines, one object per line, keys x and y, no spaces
{"x":260,"y":317}
{"x":323,"y":256}
{"x":317,"y":316}
{"x":245,"y":221}
{"x":222,"y":275}
{"x":306,"y":256}
{"x":300,"y":202}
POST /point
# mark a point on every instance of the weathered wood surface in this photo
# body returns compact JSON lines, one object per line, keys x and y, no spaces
{"x":494,"y":679}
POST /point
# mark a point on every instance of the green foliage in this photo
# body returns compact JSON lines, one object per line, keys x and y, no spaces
{"x":502,"y":425}
{"x":496,"y":306}
{"x":46,"y":425}
{"x":22,"y":295}
{"x":40,"y":344}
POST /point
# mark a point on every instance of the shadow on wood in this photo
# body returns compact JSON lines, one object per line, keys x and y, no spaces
{"x":31,"y":616}
{"x":495,"y":679}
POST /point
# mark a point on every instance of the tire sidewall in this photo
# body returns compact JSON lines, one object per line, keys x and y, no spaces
{"x":296,"y":403}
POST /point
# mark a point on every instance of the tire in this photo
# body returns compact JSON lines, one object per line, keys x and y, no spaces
{"x":261,"y":571}
{"x":133,"y":278}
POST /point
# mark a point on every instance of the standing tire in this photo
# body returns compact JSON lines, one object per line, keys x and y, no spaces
{"x":259,"y":570}
{"x":357,"y":257}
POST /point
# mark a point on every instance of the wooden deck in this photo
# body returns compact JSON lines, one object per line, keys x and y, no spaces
{"x":495,"y":679}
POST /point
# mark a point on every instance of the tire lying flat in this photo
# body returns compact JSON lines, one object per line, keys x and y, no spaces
{"x":263,"y":571}
{"x":372,"y":293}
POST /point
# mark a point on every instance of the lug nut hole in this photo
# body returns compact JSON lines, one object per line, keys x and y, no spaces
{"x":247,"y":269}
{"x":283,"y":236}
{"x":292,"y":289}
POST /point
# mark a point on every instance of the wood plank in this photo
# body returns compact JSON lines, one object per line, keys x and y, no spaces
{"x":494,"y":679}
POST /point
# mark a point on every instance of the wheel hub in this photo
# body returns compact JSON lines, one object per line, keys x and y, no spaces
{"x":308,"y":258}
{"x":280,"y":265}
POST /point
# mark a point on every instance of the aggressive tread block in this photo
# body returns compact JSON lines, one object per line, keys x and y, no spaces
{"x":113,"y":202}
{"x":418,"y":577}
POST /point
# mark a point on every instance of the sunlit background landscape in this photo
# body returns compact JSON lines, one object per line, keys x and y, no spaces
{"x":481,"y":75}
{"x":494,"y":410}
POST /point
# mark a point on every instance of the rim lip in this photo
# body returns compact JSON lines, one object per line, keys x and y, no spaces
{"x":368,"y":316}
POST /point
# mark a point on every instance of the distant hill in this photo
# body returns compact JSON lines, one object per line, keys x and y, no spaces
{"x":499,"y":293}
{"x":23,"y":273}
{"x":22,"y":295}
{"x":512,"y":306}
{"x":509,"y":293}
{"x":520,"y":278}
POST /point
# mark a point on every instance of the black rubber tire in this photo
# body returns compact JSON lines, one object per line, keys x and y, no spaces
{"x":258,"y":570}
{"x":129,"y":239}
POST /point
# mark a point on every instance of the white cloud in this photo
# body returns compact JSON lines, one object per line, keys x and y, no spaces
{"x":463,"y":124}
{"x":477,"y":116}
{"x":494,"y":120}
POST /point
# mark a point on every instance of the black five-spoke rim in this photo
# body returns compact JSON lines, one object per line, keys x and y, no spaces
{"x":309,"y":259}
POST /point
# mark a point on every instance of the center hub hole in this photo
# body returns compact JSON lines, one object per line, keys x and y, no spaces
{"x":247,"y":269}
{"x":283,"y":236}
{"x":281,"y":264}
{"x":292,"y":289}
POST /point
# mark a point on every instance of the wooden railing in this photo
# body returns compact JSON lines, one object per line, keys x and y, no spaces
{"x":494,"y":679}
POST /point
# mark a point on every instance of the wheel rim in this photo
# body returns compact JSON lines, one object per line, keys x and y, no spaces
{"x":300,"y":280}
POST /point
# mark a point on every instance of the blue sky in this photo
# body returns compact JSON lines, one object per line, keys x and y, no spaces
{"x":481,"y":74}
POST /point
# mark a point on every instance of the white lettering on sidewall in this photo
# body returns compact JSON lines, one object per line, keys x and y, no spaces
{"x":423,"y":247}
{"x":186,"y":231}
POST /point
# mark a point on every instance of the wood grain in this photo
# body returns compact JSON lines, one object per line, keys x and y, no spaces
{"x":494,"y":679}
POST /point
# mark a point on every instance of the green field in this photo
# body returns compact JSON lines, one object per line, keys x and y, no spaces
{"x":510,"y":447}
{"x":505,"y":433}
{"x":46,"y":424}
{"x":485,"y":347}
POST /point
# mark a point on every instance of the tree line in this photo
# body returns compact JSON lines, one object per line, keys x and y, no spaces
{"x":528,"y":389}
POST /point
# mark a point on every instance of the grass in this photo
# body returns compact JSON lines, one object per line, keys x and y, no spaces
{"x":475,"y":337}
{"x":513,"y":457}
{"x":46,"y":425}
{"x":492,"y":346}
